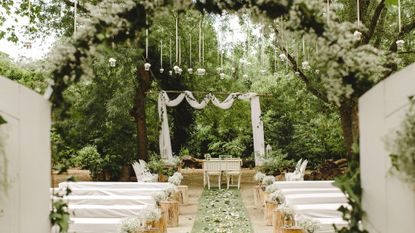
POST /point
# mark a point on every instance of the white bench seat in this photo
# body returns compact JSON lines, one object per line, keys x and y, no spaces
{"x":319,"y":210}
{"x":287,"y":191}
{"x":315,"y":198}
{"x":305,"y":184}
{"x":112,"y":185}
{"x":326,"y":224}
{"x":116,"y":192}
{"x":109,"y":200}
{"x":105,"y":211}
{"x":95,"y":225}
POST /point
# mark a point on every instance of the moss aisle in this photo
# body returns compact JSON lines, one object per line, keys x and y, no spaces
{"x":221,"y":211}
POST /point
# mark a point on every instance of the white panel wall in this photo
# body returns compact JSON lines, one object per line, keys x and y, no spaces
{"x":389,"y":202}
{"x":25,"y":207}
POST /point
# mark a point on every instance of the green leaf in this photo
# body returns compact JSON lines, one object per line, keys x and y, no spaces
{"x":392,"y":2}
{"x":2,"y":120}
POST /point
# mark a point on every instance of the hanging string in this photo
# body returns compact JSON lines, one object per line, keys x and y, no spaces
{"x":303,"y":47}
{"x":75,"y":15}
{"x":203,"y":48}
{"x":146,"y":43}
{"x":275,"y":59}
{"x":190,"y":50}
{"x":161,"y":53}
{"x":399,"y":16}
{"x":177,"y":38}
{"x":358,"y":13}
{"x":170,"y":52}
{"x":200,"y":42}
{"x":328,"y":10}
{"x":221,"y":58}
{"x":180,"y":51}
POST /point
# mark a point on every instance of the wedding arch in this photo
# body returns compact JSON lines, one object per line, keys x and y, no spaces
{"x":257,"y":124}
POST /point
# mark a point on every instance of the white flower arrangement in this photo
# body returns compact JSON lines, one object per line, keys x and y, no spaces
{"x":285,"y":209}
{"x":176,"y":178}
{"x":174,"y":160}
{"x":151,"y":213}
{"x":259,"y":176}
{"x":276,"y":197}
{"x":268,"y":180}
{"x":132,"y":225}
{"x":159,"y":196}
{"x":170,"y":190}
{"x":309,"y":225}
{"x":271,"y":188}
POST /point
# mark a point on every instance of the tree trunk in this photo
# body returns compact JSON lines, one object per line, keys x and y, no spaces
{"x":139,"y":110}
{"x":350,"y":124}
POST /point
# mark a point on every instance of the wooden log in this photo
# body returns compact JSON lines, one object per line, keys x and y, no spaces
{"x":257,"y":197}
{"x":184,"y":190}
{"x":151,"y":230}
{"x":292,"y":230}
{"x":269,"y":207}
{"x":265,"y":198}
{"x":161,"y":224}
{"x":277,"y":221}
{"x":170,"y":212}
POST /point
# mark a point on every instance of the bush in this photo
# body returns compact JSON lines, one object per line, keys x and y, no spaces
{"x":276,"y":163}
{"x":89,"y":158}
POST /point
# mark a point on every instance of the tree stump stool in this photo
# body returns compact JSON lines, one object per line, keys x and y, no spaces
{"x":269,"y":207}
{"x":265,"y":198}
{"x":184,"y":191}
{"x":170,"y":211}
{"x":152,"y":230}
{"x":277,"y":221}
{"x":257,"y":196}
{"x":292,"y":230}
{"x":161,"y":224}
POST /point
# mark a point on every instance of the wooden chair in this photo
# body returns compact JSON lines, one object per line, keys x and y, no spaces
{"x":212,"y":168}
{"x":233,"y":168}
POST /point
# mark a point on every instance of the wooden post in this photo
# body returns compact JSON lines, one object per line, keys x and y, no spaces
{"x":257,"y":195}
{"x":277,"y":220}
{"x":269,"y":207}
{"x":170,"y":212}
{"x":265,"y":198}
{"x":161,"y":225}
{"x":292,"y":230}
{"x":184,"y":190}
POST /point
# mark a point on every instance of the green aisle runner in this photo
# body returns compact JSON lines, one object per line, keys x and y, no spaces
{"x":221,"y":211}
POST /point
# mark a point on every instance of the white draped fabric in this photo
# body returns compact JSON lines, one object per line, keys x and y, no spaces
{"x":257,"y":125}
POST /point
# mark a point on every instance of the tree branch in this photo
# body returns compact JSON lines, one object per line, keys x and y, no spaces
{"x":374,"y":22}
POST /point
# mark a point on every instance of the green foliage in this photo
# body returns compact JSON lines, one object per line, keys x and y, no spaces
{"x":350,"y":184}
{"x":89,"y":158}
{"x":276,"y":163}
{"x":403,"y":157}
{"x":2,"y":120}
{"x":59,"y":215}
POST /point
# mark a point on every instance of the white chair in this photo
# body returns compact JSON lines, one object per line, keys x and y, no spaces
{"x":212,"y":168}
{"x":297,"y":174}
{"x":142,"y":173}
{"x":233,"y":168}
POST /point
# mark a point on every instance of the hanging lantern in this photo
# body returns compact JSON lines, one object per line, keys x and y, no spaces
{"x":221,"y":75}
{"x":400,"y":44}
{"x":245,"y":76}
{"x":233,"y":70}
{"x":171,"y":72}
{"x":190,"y":70}
{"x":357,"y":35}
{"x":317,"y":71}
{"x":297,"y":73}
{"x":305,"y":65}
{"x":147,"y":66}
{"x":201,"y":71}
{"x":161,"y":70}
{"x":283,"y":57}
{"x":177,"y":70}
{"x":112,"y":62}
{"x":263,"y":72}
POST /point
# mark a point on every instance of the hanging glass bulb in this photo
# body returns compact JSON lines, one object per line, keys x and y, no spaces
{"x":233,"y":70}
{"x":317,"y":71}
{"x":161,"y":70}
{"x":147,"y":66}
{"x":400,"y":44}
{"x":112,"y":62}
{"x":171,"y":72}
{"x":245,"y":76}
{"x":305,"y":65}
{"x":357,"y":35}
{"x":297,"y":73}
{"x":201,"y":71}
{"x":222,"y":75}
{"x":176,"y":69}
{"x":263,"y":72}
{"x":190,"y":70}
{"x":282,"y":57}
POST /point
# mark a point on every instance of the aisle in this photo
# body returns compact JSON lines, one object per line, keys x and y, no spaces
{"x":221,"y":211}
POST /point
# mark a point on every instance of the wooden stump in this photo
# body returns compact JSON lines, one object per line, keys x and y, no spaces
{"x":269,"y":207}
{"x":292,"y":230}
{"x":152,"y":230}
{"x":170,"y":212}
{"x":257,"y":196}
{"x":161,"y":224}
{"x":184,"y":190}
{"x":277,"y":221}
{"x":265,"y":198}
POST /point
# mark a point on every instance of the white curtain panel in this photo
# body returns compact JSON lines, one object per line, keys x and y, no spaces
{"x":257,"y":125}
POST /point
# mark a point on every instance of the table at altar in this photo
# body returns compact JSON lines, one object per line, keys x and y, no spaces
{"x":217,"y":166}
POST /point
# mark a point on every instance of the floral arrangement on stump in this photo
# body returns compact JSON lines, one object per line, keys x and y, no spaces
{"x":165,"y":195}
{"x":139,"y":224}
{"x":259,"y":176}
{"x":268,"y":180}
{"x":176,"y":178}
{"x":309,"y":225}
{"x":288,"y":213}
{"x":276,"y":197}
{"x":271,"y":188}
